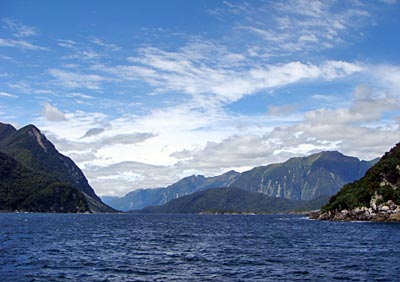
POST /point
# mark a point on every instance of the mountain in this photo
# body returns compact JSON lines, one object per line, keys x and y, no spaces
{"x":227,"y":200}
{"x":142,"y":198}
{"x":23,"y":189}
{"x":375,"y":197}
{"x":30,"y":148}
{"x":304,"y":178}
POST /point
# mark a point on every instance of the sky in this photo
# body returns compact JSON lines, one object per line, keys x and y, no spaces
{"x":142,"y":93}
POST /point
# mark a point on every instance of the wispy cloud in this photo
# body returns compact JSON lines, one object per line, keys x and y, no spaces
{"x":7,"y":95}
{"x":19,"y":34}
{"x":66,"y":43}
{"x":109,"y":46}
{"x":22,"y":44}
{"x":186,"y":71}
{"x":21,"y":86}
{"x":81,"y":95}
{"x":20,"y":30}
{"x":74,"y":80}
{"x":300,"y":26}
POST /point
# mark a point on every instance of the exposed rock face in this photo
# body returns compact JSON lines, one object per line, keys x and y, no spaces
{"x":305,"y":178}
{"x":375,"y":197}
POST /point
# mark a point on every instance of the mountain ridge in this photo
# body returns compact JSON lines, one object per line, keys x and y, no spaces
{"x":229,"y":200}
{"x":158,"y":196}
{"x":253,"y":180}
{"x":33,"y":150}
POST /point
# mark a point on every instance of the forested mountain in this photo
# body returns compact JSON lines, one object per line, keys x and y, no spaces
{"x":31,"y":149}
{"x":376,"y":196}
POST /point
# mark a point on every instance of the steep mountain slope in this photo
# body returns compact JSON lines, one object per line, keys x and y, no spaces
{"x":376,"y":196}
{"x":32,"y":149}
{"x":141,"y":198}
{"x":23,"y":189}
{"x":227,"y":200}
{"x":304,"y":178}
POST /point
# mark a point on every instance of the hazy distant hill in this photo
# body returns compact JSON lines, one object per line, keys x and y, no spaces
{"x":142,"y":198}
{"x":376,"y":196}
{"x":31,"y":149}
{"x":231,"y":200}
{"x":304,"y":178}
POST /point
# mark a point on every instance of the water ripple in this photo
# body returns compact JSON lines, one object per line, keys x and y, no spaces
{"x":62,"y":247}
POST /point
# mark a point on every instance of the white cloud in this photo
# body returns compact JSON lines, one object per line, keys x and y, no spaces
{"x":81,"y":95}
{"x":386,"y":76}
{"x":51,"y":113}
{"x":7,"y":95}
{"x":129,"y":176}
{"x":158,"y":148}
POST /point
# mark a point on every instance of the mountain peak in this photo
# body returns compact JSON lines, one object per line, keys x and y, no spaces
{"x":6,"y":130}
{"x":231,"y":172}
{"x":30,"y":127}
{"x":33,"y":133}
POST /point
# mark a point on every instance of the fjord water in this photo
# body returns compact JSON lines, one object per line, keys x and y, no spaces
{"x":127,"y":247}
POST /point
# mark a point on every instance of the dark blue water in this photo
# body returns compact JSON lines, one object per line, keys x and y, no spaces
{"x":62,"y":247}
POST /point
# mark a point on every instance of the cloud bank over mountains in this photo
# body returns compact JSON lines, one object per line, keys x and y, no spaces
{"x":261,"y":82}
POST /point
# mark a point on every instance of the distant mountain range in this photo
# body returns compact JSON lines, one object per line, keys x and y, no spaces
{"x":300,"y":179}
{"x":232,"y":200}
{"x":33,"y":172}
{"x":374,"y":197}
{"x":142,"y":198}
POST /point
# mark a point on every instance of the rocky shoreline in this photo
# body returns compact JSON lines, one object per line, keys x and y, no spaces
{"x":383,"y":212}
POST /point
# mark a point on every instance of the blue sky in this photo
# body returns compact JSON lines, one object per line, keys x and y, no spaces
{"x":142,"y":93}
